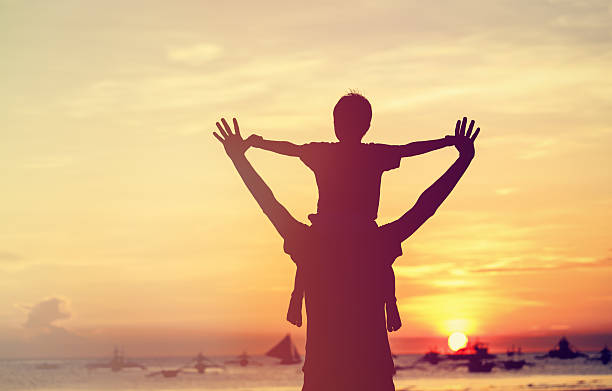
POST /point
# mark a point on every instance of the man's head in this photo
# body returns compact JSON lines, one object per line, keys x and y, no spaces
{"x":352,"y":116}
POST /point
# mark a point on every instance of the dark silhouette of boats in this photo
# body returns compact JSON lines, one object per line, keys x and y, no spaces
{"x":117,"y":363}
{"x":604,"y":356}
{"x":478,"y":351}
{"x":433,"y":357}
{"x":166,"y":373}
{"x":202,"y":363}
{"x":476,"y":364}
{"x":411,"y":366}
{"x":47,"y":366}
{"x":514,"y":365}
{"x":512,"y":351}
{"x":286,"y":351}
{"x":243,"y":360}
{"x":563,"y":351}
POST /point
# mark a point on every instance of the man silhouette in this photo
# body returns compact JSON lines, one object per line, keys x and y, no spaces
{"x":347,"y":347}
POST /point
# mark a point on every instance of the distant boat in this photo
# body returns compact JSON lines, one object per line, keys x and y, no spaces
{"x":604,"y":356}
{"x":433,"y":357}
{"x":512,"y":351}
{"x":514,"y":364}
{"x":477,"y":365}
{"x":563,"y":351}
{"x":478,"y":351}
{"x":243,"y":360}
{"x":47,"y":366}
{"x":117,"y":363}
{"x":286,"y":351}
{"x":166,"y":373}
{"x":202,"y":363}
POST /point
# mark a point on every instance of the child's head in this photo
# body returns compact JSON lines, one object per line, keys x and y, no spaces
{"x":352,"y":116}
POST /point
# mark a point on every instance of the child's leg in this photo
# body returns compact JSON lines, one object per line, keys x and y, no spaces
{"x":393,"y":317}
{"x":294,"y":313}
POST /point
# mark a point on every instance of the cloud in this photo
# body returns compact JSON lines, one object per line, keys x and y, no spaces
{"x":473,"y":307}
{"x":553,"y":264}
{"x":422,"y":271}
{"x":194,"y":55}
{"x":46,"y":312}
{"x":505,"y":191}
{"x":9,"y":256}
{"x":539,"y":149}
{"x":169,"y":89}
{"x":453,"y":284}
{"x":49,"y":162}
{"x":559,"y":327}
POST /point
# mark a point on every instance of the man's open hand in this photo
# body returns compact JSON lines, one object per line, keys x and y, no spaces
{"x":464,"y":141}
{"x":233,"y":143}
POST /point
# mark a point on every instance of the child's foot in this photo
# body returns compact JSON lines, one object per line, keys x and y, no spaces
{"x":294,"y":313}
{"x":393,"y":317}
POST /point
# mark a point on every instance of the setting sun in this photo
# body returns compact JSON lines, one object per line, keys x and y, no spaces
{"x":457,"y":341}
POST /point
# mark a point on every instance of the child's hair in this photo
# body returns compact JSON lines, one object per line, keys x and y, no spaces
{"x":352,"y":116}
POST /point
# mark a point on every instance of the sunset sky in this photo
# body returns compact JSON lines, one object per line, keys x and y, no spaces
{"x":123,"y":222}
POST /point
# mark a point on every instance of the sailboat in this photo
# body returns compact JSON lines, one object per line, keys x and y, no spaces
{"x":243,"y":360}
{"x":166,"y":373}
{"x":202,"y":363}
{"x":117,"y":363}
{"x":479,"y":351}
{"x":563,"y":350}
{"x":286,"y":351}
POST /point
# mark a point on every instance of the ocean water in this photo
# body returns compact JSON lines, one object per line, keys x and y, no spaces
{"x":72,"y":375}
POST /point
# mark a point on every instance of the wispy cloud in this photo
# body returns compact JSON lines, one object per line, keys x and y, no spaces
{"x":473,"y":308}
{"x":194,"y":55}
{"x":543,"y":264}
{"x":506,"y":191}
{"x":10,"y":256}
{"x":171,"y":89}
{"x":49,"y":161}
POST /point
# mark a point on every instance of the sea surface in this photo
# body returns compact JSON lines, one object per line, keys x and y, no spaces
{"x":268,"y":375}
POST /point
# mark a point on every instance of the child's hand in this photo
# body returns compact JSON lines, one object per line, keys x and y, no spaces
{"x":254,"y":140}
{"x":233,"y":143}
{"x":464,"y":142}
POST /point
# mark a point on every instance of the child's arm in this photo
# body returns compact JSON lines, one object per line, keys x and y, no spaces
{"x":282,"y":147}
{"x":421,"y":147}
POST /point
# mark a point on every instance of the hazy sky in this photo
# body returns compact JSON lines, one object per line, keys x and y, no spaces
{"x":122,"y":220}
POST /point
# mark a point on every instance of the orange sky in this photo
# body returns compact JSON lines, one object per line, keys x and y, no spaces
{"x":121,"y":215}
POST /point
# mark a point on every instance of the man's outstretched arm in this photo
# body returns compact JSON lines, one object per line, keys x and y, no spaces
{"x":235,"y":147}
{"x":434,"y":196}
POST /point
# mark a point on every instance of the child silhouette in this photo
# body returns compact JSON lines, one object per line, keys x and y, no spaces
{"x":348,"y":175}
